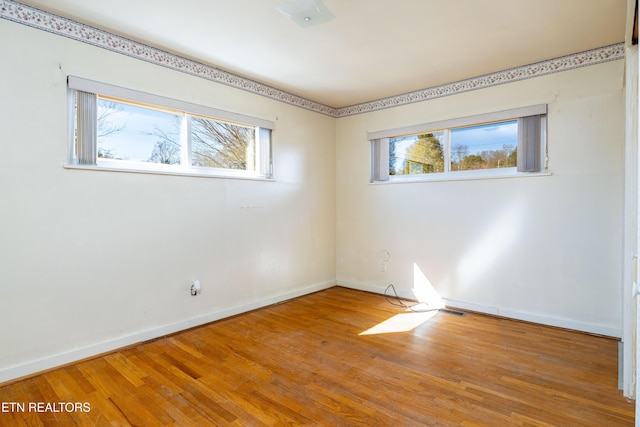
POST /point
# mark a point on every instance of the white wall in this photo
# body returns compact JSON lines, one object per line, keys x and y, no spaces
{"x":545,"y":248}
{"x":91,"y":261}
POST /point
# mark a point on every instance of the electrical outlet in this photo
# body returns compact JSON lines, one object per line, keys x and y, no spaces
{"x":384,"y":259}
{"x":195,"y":288}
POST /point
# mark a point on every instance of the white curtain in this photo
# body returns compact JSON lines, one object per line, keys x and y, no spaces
{"x":86,"y":128}
{"x":529,"y":147}
{"x":380,"y":159}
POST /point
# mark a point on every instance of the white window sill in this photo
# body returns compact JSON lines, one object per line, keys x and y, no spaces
{"x":460,"y":176}
{"x":173,"y":170}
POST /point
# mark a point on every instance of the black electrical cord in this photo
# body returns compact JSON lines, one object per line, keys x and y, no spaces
{"x":400,"y":303}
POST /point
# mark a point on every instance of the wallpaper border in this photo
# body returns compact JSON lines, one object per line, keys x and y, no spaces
{"x":46,"y":21}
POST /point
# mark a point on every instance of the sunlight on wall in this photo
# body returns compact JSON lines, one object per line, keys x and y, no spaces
{"x":403,"y":322}
{"x":424,"y":290}
{"x":492,"y":244}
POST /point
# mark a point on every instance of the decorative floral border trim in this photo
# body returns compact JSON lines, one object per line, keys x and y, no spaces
{"x":46,"y":21}
{"x":564,"y":63}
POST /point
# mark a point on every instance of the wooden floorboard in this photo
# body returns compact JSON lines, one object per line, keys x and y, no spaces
{"x":316,"y":361}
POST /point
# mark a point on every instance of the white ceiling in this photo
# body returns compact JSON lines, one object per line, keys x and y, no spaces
{"x":371,"y":50}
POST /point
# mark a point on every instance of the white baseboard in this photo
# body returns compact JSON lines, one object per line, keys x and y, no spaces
{"x":502,"y":312}
{"x":49,"y":362}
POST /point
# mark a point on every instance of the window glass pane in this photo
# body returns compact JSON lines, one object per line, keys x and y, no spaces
{"x":485,"y":146}
{"x":222,"y":145}
{"x":131,"y":132}
{"x":416,"y":154}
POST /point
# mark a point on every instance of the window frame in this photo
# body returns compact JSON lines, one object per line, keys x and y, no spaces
{"x":379,"y":141}
{"x":263,"y":129}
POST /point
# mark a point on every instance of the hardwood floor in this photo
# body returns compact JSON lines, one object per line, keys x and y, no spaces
{"x":307,"y":362}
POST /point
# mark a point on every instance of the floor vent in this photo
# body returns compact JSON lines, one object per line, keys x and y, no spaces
{"x":457,"y":313}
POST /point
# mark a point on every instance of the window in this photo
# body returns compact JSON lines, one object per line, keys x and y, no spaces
{"x":121,"y":129}
{"x":495,"y":144}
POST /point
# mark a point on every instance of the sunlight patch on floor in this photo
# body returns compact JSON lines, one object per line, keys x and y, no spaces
{"x":403,"y":322}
